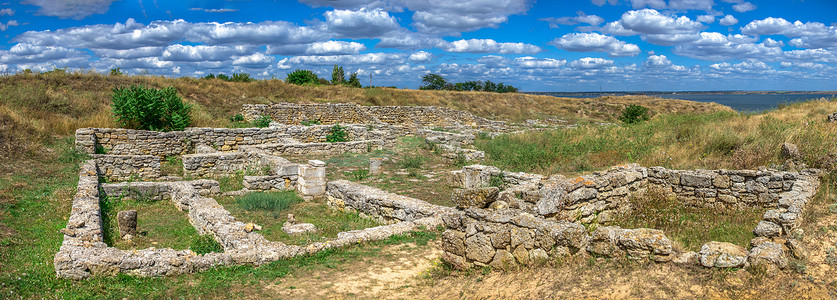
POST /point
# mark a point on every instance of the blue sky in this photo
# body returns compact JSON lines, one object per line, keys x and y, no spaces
{"x":583,"y":45}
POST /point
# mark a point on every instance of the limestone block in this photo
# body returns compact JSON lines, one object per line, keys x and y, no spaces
{"x":127,"y":222}
{"x":768,"y":254}
{"x":477,"y":197}
{"x":503,"y":260}
{"x":375,"y":166}
{"x":300,"y":228}
{"x":478,"y":247}
{"x":454,"y":242}
{"x":722,"y":255}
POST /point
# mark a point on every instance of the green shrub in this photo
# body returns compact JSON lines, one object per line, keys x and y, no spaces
{"x":140,"y":107}
{"x":634,"y":114}
{"x":275,"y":202}
{"x":310,"y":122}
{"x":360,"y":174}
{"x":262,"y":121}
{"x":237,"y":118}
{"x":337,"y":134}
{"x":412,"y":162}
{"x":301,"y":77}
{"x":204,"y":244}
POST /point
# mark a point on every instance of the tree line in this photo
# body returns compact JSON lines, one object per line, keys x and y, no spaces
{"x":437,"y":82}
{"x":338,"y":77}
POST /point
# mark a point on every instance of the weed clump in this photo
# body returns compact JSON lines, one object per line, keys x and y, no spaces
{"x":262,"y":122}
{"x":204,"y":244}
{"x":140,"y":107}
{"x":337,"y":134}
{"x":275,"y":202}
{"x":634,"y":114}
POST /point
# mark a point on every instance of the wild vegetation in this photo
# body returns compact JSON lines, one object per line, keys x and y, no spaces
{"x":721,"y":140}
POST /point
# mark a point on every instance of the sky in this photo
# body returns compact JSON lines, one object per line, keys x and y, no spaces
{"x":560,"y":45}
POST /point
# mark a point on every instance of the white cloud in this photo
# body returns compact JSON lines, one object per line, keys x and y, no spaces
{"x":594,"y":42}
{"x":581,"y":18}
{"x":410,"y":40}
{"x":591,"y":63}
{"x":655,"y":4}
{"x":490,"y":46}
{"x":70,"y":9}
{"x":654,"y":27}
{"x":8,"y":24}
{"x":716,"y":46}
{"x":367,"y":58}
{"x":705,"y":5}
{"x":528,"y":62}
{"x":421,"y":56}
{"x":773,"y":43}
{"x":7,"y":12}
{"x":728,"y":20}
{"x":254,"y":60}
{"x":463,"y":15}
{"x":214,"y":10}
{"x":744,"y":7}
{"x":807,"y":35}
{"x":708,"y":19}
{"x":191,"y":53}
{"x":360,"y":24}
{"x":657,"y":61}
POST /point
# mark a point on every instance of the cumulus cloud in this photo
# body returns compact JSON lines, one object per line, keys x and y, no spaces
{"x":528,"y":62}
{"x":744,"y":7}
{"x":705,"y":5}
{"x":591,"y":63}
{"x":728,"y":20}
{"x":420,"y":56}
{"x":654,"y":27}
{"x":214,"y":10}
{"x":491,"y":46}
{"x":464,"y":15}
{"x":716,"y":46}
{"x":70,"y":9}
{"x":410,"y":40}
{"x":253,"y":60}
{"x":807,"y":35}
{"x":708,"y":19}
{"x":317,"y":48}
{"x":7,"y":12}
{"x":594,"y":42}
{"x":362,"y":23}
{"x":581,"y":18}
{"x":8,"y":24}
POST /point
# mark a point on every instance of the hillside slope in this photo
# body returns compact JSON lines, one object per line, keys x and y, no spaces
{"x":34,"y":106}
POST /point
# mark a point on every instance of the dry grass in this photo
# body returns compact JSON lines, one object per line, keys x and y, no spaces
{"x":680,"y":141}
{"x":36,"y":106}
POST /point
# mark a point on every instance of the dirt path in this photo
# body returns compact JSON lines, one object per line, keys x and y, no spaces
{"x":396,"y":271}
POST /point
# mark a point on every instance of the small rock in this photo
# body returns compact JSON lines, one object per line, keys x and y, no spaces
{"x":770,"y":255}
{"x":797,"y":249}
{"x":832,"y":117}
{"x":299,"y":228}
{"x":790,"y":151}
{"x":250,"y":227}
{"x":498,"y":205}
{"x":767,"y":229}
{"x":722,"y":255}
{"x":686,"y":258}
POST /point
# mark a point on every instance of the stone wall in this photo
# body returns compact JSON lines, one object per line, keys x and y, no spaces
{"x":84,"y":254}
{"x":506,"y":238}
{"x":602,"y":195}
{"x":156,"y":190}
{"x":386,"y":207}
{"x":411,"y":116}
{"x":117,"y":141}
{"x":322,"y":148}
{"x":128,"y":167}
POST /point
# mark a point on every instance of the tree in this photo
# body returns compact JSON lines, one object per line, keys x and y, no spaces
{"x":489,"y":86}
{"x":634,"y":114}
{"x":353,"y":81}
{"x":433,"y":82}
{"x":337,"y":75}
{"x":301,"y":77}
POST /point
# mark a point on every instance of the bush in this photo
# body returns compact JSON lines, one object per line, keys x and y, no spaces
{"x":237,"y":118}
{"x":204,"y":244}
{"x":412,"y":162}
{"x":140,"y":107}
{"x":262,"y":121}
{"x":301,"y":77}
{"x":275,"y":202}
{"x":337,"y":134}
{"x":634,"y":114}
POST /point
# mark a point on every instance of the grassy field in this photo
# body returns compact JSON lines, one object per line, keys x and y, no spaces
{"x":159,"y":224}
{"x":34,"y":107}
{"x":679,"y":141}
{"x":328,"y":221}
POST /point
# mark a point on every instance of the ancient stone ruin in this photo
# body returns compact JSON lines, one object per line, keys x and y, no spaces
{"x":526,"y":220}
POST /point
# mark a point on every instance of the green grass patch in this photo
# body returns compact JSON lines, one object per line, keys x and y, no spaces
{"x":231,"y":182}
{"x":159,"y":224}
{"x":172,"y":166}
{"x":690,"y":227}
{"x":268,"y":201}
{"x":328,"y":221}
{"x":204,"y":244}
